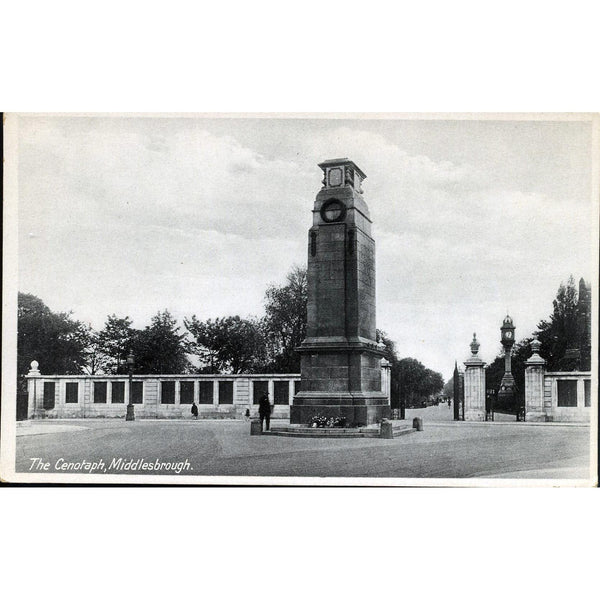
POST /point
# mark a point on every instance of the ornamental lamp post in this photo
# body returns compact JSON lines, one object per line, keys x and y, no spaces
{"x":130,"y":409}
{"x":507,"y":394}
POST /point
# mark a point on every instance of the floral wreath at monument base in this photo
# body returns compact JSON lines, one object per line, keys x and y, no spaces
{"x":322,"y":421}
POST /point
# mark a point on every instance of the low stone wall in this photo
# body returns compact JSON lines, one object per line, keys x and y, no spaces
{"x":163,"y":397}
{"x":566,"y":398}
{"x":556,"y":396}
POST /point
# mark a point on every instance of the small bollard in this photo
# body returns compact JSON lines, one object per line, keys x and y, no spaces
{"x":255,"y":428}
{"x":385,"y":430}
{"x":418,"y":423}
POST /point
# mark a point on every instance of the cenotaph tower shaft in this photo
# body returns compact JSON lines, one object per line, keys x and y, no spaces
{"x":340,"y":357}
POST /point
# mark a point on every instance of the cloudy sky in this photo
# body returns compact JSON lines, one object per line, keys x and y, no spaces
{"x":198,"y":215}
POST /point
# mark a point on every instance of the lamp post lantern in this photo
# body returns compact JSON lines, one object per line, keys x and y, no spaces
{"x":130,"y":409}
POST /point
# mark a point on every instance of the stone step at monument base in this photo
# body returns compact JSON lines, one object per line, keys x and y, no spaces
{"x":398,"y":431}
{"x":323,"y":432}
{"x":370,"y":431}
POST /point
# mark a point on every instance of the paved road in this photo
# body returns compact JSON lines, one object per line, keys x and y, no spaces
{"x":443,"y":414}
{"x":443,"y":449}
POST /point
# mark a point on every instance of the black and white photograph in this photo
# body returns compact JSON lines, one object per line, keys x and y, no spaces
{"x":301,"y":299}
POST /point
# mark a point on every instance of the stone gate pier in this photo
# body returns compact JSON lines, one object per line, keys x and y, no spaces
{"x":561,"y":396}
{"x":474,"y":384}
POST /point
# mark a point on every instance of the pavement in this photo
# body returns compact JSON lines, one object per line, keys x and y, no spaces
{"x":445,"y":449}
{"x":44,"y":427}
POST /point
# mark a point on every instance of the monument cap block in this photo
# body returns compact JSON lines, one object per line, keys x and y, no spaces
{"x":339,"y":172}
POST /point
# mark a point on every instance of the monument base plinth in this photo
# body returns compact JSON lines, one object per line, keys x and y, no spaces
{"x":474,"y":415}
{"x":535,"y":416}
{"x":359,"y":409}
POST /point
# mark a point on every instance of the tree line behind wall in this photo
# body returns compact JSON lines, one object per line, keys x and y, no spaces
{"x":266,"y":344}
{"x":63,"y":345}
{"x":564,"y":336}
{"x":412,"y":383}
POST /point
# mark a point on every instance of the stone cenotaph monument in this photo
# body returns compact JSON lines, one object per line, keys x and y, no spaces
{"x":340,"y":357}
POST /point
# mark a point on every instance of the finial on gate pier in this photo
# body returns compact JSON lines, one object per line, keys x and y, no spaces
{"x":34,"y":370}
{"x":535,"y":358}
{"x":474,"y":345}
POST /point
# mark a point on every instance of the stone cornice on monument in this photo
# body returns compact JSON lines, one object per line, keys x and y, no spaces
{"x":340,"y":344}
{"x":357,"y":398}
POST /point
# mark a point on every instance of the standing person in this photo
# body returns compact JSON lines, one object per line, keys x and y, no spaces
{"x":264,"y":411}
{"x":195,"y":410}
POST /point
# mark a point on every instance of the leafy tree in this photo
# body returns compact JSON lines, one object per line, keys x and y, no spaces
{"x":434,"y":383}
{"x":229,"y":344}
{"x":557,"y":334}
{"x":96,"y":361}
{"x":392,"y":356}
{"x":416,"y":383}
{"x":390,"y":346}
{"x":411,"y":381}
{"x":55,"y":340}
{"x":237,"y":345}
{"x":285,"y":322}
{"x":115,"y":342}
{"x":160,"y":348}
{"x":448,"y":389}
{"x":560,"y":331}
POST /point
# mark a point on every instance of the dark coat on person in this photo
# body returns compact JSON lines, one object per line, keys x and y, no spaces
{"x":264,"y":408}
{"x":194,"y":410}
